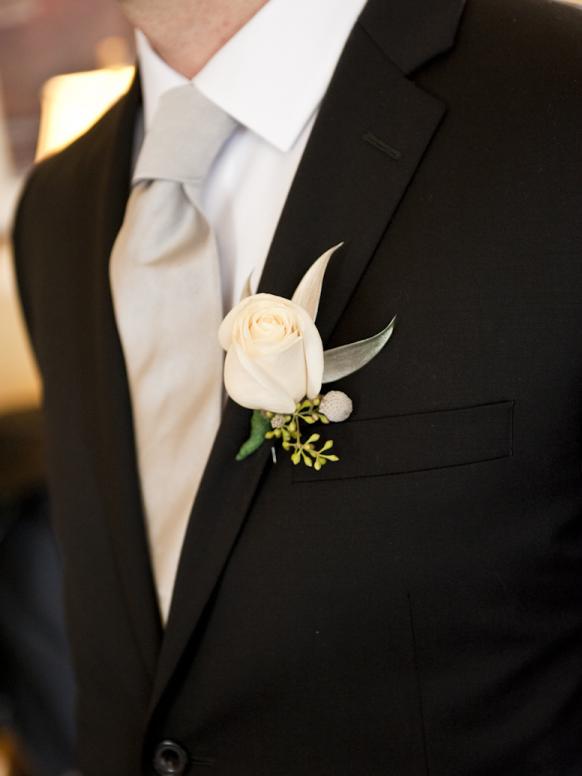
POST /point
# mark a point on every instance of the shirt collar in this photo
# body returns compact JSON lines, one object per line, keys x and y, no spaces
{"x":271,"y":75}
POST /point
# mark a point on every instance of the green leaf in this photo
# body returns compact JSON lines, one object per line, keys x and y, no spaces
{"x":260,"y":425}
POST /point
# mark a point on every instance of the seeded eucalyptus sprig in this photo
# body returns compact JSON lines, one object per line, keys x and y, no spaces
{"x":288,"y":429}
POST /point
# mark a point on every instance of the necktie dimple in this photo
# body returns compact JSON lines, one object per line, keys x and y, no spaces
{"x":165,"y":280}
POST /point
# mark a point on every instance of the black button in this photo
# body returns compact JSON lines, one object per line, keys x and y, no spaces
{"x":170,"y":759}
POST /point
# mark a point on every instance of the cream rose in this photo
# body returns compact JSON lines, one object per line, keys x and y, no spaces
{"x":274,"y":354}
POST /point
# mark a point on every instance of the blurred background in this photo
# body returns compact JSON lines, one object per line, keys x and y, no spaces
{"x":62,"y":64}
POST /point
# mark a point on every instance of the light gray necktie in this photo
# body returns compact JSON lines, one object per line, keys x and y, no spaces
{"x":165,"y":281}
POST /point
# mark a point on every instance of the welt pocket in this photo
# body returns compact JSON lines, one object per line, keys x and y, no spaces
{"x":402,"y":444}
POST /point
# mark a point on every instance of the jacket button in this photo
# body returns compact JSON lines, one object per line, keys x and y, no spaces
{"x":170,"y":759}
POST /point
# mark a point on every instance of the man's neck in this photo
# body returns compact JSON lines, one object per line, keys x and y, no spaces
{"x":187,"y":33}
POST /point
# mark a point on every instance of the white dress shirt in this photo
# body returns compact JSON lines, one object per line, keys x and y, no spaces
{"x":270,"y":77}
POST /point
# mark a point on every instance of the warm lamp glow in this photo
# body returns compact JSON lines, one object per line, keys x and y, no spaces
{"x":71,"y":104}
{"x":19,"y":380}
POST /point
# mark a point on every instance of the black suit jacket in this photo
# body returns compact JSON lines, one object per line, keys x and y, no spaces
{"x":415,"y":608}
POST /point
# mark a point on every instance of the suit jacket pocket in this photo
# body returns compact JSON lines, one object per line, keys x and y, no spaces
{"x":422,"y":441}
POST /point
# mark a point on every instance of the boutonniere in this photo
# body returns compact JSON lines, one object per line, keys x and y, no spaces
{"x":275,"y":365}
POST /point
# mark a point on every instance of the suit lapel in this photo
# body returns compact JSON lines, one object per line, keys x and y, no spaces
{"x":372,"y":130}
{"x":109,"y":159}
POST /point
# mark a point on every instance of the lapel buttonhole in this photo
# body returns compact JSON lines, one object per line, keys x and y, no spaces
{"x":381,"y":145}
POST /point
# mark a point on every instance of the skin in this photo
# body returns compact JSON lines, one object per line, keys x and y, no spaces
{"x":187,"y":33}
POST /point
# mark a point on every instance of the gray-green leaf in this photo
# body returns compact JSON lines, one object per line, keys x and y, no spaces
{"x":347,"y":359}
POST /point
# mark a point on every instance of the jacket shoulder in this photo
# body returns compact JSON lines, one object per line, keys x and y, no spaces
{"x":517,"y":60}
{"x":58,"y":199}
{"x":549,"y":31}
{"x":64,"y":173}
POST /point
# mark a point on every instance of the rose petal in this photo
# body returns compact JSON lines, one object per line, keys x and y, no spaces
{"x":314,"y":361}
{"x":249,"y":386}
{"x":308,"y":292}
{"x":238,"y":311}
{"x":287,"y":370}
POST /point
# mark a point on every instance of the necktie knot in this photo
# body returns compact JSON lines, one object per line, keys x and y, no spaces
{"x":187,"y":133}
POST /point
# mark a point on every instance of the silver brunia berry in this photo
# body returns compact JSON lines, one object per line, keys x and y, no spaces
{"x":336,"y":406}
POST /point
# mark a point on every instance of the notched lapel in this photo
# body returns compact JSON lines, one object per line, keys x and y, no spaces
{"x":371,"y":133}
